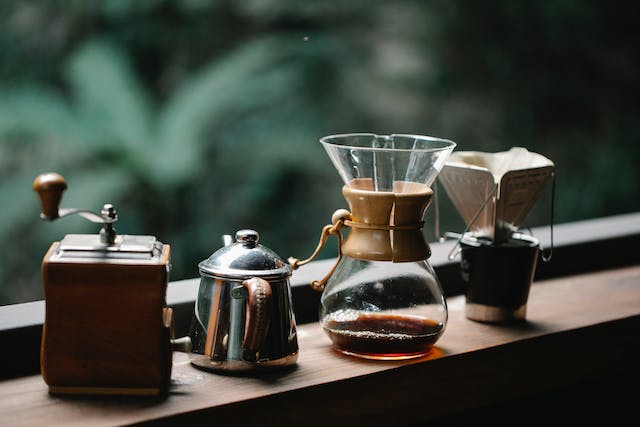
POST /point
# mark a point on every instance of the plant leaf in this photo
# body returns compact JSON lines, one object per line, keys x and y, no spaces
{"x":109,"y":98}
{"x":38,"y":112}
{"x":256,"y":76}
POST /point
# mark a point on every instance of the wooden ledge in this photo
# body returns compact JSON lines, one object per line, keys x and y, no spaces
{"x":579,"y":328}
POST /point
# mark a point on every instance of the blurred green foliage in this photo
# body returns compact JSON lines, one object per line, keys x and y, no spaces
{"x":197,"y":118}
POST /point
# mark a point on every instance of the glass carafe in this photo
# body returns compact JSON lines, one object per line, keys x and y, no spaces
{"x":382,"y":299}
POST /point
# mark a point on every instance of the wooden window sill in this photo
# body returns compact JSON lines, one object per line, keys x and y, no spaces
{"x":578,"y":328}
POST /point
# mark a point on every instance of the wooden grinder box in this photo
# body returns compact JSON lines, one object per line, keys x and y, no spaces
{"x":107,"y":328}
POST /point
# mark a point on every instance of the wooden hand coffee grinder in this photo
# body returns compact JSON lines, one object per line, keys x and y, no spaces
{"x":107,"y":326}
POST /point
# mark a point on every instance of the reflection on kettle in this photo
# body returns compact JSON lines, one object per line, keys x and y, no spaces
{"x":243,"y":317}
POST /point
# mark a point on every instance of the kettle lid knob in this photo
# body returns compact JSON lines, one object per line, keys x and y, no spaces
{"x":248,"y":238}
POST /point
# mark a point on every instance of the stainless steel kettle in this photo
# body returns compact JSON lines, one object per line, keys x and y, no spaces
{"x":243,"y":317}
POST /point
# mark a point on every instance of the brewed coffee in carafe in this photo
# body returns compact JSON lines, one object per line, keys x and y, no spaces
{"x":382,"y":299}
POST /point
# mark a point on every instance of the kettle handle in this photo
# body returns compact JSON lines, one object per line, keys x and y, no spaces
{"x":258,"y":312}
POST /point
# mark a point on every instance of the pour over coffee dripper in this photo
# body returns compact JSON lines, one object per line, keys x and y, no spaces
{"x":382,"y":299}
{"x":494,"y":192}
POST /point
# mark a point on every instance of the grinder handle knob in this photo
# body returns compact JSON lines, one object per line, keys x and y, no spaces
{"x":49,"y":187}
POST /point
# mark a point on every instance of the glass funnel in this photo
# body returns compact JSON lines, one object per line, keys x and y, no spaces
{"x":383,"y":300}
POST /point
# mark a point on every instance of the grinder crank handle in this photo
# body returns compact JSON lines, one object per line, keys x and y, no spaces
{"x":50,"y":187}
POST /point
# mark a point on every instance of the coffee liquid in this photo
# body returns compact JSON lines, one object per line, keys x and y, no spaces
{"x":382,"y":336}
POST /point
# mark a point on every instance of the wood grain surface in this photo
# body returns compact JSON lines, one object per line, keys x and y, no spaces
{"x":578,"y":327}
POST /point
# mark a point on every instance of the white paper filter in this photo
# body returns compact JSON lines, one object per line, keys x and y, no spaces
{"x":494,"y":192}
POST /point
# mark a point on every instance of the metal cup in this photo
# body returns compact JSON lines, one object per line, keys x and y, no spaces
{"x":498,"y":277}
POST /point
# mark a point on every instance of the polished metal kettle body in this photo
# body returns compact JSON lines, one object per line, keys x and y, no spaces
{"x":243,"y":316}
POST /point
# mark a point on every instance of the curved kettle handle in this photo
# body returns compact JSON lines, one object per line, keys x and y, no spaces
{"x":258,"y":314}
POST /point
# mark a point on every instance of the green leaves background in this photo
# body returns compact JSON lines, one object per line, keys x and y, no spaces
{"x":197,"y":118}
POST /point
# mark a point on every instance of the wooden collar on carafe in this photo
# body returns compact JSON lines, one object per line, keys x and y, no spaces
{"x":385,"y":225}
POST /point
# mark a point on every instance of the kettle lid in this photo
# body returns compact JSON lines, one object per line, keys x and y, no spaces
{"x":243,"y":259}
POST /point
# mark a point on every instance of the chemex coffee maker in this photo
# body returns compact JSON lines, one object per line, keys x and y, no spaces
{"x":382,"y":299}
{"x":494,"y":192}
{"x":107,"y":327}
